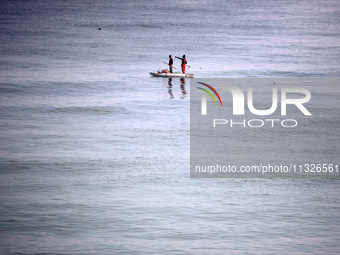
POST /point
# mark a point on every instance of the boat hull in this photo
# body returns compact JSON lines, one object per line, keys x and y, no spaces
{"x":172,"y":75}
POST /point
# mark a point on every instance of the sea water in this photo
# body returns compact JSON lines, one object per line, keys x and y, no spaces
{"x":94,"y":154}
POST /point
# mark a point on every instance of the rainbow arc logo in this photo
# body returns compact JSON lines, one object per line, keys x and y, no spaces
{"x":213,"y":90}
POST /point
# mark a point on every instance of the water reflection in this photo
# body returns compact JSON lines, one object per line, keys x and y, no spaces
{"x":170,"y":88}
{"x":182,"y":86}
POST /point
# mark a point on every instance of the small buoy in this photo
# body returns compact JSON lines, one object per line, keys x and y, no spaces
{"x":274,"y":82}
{"x":99,"y":28}
{"x":103,"y":39}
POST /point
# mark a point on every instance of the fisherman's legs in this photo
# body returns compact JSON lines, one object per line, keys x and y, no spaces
{"x":183,"y":68}
{"x":170,"y":67}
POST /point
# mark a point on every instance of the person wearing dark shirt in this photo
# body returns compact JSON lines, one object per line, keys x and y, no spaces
{"x":184,"y":62}
{"x":171,"y":62}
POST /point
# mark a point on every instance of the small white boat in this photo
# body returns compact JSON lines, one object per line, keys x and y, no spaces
{"x":171,"y":75}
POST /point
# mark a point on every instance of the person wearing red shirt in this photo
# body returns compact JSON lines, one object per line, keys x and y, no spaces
{"x":184,"y":62}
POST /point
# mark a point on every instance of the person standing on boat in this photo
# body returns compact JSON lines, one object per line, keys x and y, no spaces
{"x":171,"y":62}
{"x":184,"y":62}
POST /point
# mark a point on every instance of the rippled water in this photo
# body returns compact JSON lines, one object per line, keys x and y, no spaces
{"x":94,"y":154}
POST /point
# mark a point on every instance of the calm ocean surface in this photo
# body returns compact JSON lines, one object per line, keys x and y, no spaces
{"x":94,"y":154}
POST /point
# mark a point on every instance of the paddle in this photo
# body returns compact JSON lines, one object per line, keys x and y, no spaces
{"x":168,"y":65}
